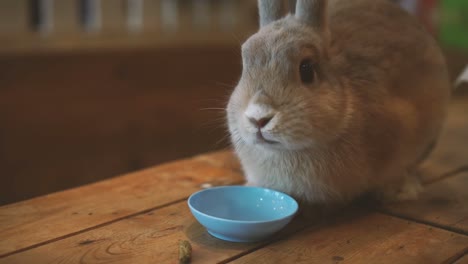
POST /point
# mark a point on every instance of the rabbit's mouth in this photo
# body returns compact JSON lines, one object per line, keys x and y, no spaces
{"x":260,"y":139}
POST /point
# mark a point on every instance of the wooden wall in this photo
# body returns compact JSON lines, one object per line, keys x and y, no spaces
{"x":71,"y":118}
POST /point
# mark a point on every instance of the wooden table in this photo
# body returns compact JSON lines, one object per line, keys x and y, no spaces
{"x":141,"y":217}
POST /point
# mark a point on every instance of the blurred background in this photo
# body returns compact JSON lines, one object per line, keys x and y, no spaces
{"x":91,"y":89}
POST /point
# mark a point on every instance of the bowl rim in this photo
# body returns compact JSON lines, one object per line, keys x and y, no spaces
{"x":296,"y":205}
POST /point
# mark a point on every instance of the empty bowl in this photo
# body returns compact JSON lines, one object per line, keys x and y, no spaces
{"x":242,"y":213}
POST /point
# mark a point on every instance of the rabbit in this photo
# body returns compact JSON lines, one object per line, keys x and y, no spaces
{"x":337,"y":100}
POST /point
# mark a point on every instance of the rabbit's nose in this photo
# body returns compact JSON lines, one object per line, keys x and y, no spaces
{"x":259,"y":123}
{"x":259,"y":114}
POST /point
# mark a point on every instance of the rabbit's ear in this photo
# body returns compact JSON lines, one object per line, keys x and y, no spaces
{"x":269,"y":11}
{"x":313,"y":13}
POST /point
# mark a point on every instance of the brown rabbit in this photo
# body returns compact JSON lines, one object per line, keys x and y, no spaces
{"x":340,"y":99}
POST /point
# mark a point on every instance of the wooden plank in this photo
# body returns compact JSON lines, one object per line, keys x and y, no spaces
{"x":147,"y":238}
{"x":444,"y":204}
{"x":371,"y":238}
{"x":28,"y":223}
{"x":451,"y":151}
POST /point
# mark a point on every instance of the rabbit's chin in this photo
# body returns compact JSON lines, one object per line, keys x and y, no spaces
{"x":254,"y":142}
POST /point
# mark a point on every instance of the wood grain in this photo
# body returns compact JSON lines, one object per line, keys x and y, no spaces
{"x":152,"y":237}
{"x":49,"y":217}
{"x":443,"y":204}
{"x":370,"y":238}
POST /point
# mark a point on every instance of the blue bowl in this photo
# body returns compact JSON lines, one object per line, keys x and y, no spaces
{"x":242,"y":213}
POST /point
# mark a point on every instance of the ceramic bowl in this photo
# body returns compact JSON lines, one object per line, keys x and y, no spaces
{"x":242,"y":213}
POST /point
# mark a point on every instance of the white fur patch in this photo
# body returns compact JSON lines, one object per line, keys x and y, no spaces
{"x":258,"y":111}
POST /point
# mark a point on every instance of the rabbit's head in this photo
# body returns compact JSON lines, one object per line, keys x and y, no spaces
{"x":287,"y":97}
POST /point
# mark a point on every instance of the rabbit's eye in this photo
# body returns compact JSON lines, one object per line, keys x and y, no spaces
{"x":306,"y":69}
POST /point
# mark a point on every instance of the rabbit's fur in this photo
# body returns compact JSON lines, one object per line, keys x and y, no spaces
{"x":373,"y":111}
